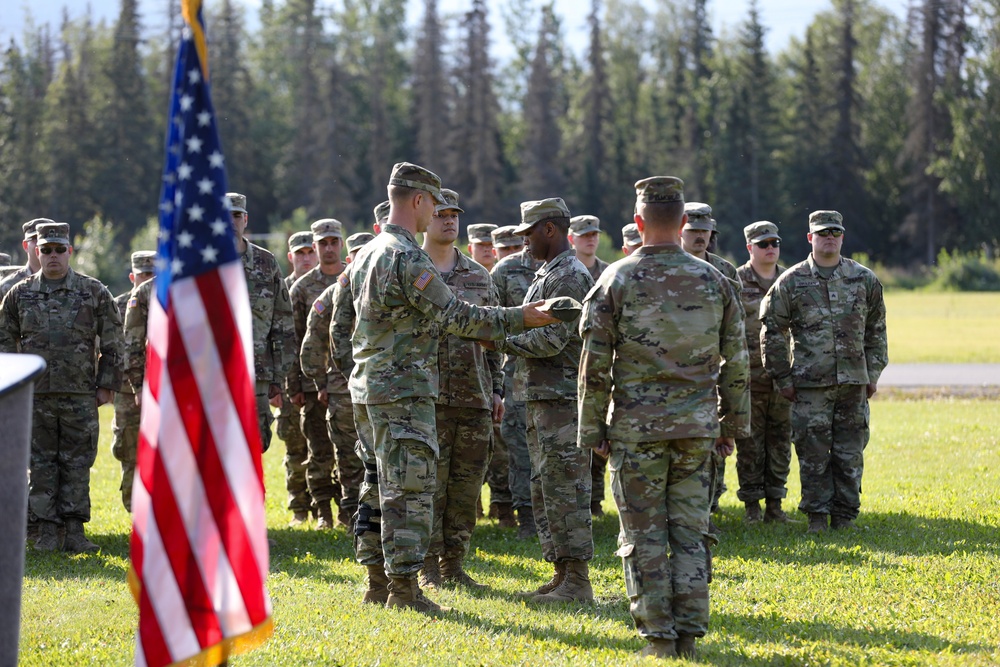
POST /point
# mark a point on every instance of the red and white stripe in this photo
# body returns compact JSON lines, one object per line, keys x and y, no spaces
{"x":199,"y":541}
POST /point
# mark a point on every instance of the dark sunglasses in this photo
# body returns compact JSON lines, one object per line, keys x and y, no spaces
{"x":770,"y":243}
{"x":835,"y":233}
{"x":59,"y":249}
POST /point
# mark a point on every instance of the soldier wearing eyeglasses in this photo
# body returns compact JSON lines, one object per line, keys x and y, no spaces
{"x":762,"y":460}
{"x":831,"y":310}
{"x":71,"y":321}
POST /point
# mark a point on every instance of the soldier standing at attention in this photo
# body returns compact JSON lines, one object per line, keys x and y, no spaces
{"x":512,"y":276}
{"x":665,"y":422}
{"x":32,"y":265}
{"x":469,"y":402}
{"x":302,"y":257}
{"x":762,"y":460}
{"x":547,"y":367}
{"x":125,"y":425}
{"x":402,"y":306}
{"x":322,"y":473}
{"x":481,"y":244}
{"x":63,"y":316}
{"x":832,"y":309}
{"x":631,"y":240}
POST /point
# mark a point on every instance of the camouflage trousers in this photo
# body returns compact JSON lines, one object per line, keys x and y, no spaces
{"x":344,"y":436}
{"x":464,"y":436}
{"x":264,"y":416}
{"x":498,"y":468}
{"x":662,"y":490}
{"x":597,"y":467}
{"x":830,"y":431}
{"x":125,"y":441}
{"x":560,"y":481}
{"x":296,"y":452}
{"x":367,"y":545}
{"x":320,"y":462}
{"x":513,"y":429}
{"x":64,"y":434}
{"x":406,"y":452}
{"x":763,"y":459}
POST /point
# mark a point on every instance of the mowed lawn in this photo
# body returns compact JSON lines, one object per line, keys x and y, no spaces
{"x":918,"y":584}
{"x":943,"y":327}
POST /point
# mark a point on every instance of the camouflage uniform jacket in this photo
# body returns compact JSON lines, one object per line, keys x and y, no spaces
{"x":342,"y":320}
{"x":121,"y":303}
{"x":662,"y":330}
{"x":74,"y":326}
{"x":402,"y":306}
{"x":315,"y":355}
{"x":273,"y":341}
{"x":12,"y":278}
{"x":549,"y":357}
{"x":136,"y":318}
{"x":598,"y":268}
{"x":837,"y":327}
{"x":752,"y":294}
{"x":303,"y":294}
{"x":469,"y":374}
{"x":512,"y":276}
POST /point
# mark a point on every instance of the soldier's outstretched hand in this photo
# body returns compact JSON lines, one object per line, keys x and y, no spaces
{"x":535,"y":318}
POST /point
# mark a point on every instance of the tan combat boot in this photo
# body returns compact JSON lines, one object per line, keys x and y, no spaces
{"x":841,"y":523}
{"x":773,"y":513}
{"x":505,"y":515}
{"x":430,"y":575}
{"x":405,"y":592}
{"x":452,"y":572}
{"x":299,"y":518}
{"x":47,"y":537}
{"x":378,"y":585}
{"x":575,"y":586}
{"x":550,"y":585}
{"x":324,"y":515}
{"x":76,"y":542}
{"x":526,"y":529}
{"x":659,"y":648}
{"x":753,"y":511}
{"x":817,"y":523}
{"x":685,"y":646}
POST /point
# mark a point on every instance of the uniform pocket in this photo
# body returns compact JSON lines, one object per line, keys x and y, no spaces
{"x":633,"y":580}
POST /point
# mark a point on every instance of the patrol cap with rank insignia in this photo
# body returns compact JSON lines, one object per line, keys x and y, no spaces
{"x":143,"y":261}
{"x":450,"y":202}
{"x":761,"y":231}
{"x":53,"y":232}
{"x":300,"y":240}
{"x":699,"y":216}
{"x":504,"y":237}
{"x":820,"y":220}
{"x":30,"y":228}
{"x":630,"y":235}
{"x":584,"y":224}
{"x":659,"y":190}
{"x":355,"y":241}
{"x":327,"y":228}
{"x":237,"y":202}
{"x":381,"y":211}
{"x":408,"y":175}
{"x":481,"y":233}
{"x":553,"y":208}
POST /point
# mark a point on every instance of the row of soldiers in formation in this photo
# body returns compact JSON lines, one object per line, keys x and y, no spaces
{"x":398,"y":379}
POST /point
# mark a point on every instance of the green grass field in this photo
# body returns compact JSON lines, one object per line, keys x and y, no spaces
{"x":943,"y":327}
{"x":918,"y":584}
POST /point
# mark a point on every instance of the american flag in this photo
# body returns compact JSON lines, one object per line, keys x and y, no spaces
{"x":199,"y":542}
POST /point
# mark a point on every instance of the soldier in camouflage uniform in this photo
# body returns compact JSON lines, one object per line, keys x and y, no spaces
{"x":402,"y":306}
{"x":481,"y":244}
{"x":4,"y":260}
{"x":662,"y":334}
{"x":469,"y":402}
{"x":585,"y":235}
{"x":512,"y":276}
{"x":832,"y":309}
{"x":763,"y":459}
{"x":302,"y":258}
{"x":322,"y":472}
{"x":31,"y":267}
{"x":125,"y":425}
{"x":70,"y":320}
{"x":545,"y":377}
{"x":631,"y":240}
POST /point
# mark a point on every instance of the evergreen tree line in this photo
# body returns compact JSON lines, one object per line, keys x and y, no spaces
{"x":894,"y":122}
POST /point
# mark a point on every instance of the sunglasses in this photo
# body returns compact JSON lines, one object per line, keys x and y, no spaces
{"x":59,"y":249}
{"x":770,"y":243}
{"x":835,"y":233}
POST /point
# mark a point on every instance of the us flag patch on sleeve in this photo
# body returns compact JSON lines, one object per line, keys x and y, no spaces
{"x":133,"y":302}
{"x":343,"y":279}
{"x":423,"y":281}
{"x":318,"y":305}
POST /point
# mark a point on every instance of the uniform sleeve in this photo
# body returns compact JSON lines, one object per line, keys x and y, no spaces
{"x":494,"y":360}
{"x":342,"y":318}
{"x":775,"y":318}
{"x":136,"y":321}
{"x":314,"y":355}
{"x":10,"y":327}
{"x":598,"y":328}
{"x":734,"y":372}
{"x":111,"y":334}
{"x":281,"y":340}
{"x":876,"y":340}
{"x":294,"y":383}
{"x":550,"y":341}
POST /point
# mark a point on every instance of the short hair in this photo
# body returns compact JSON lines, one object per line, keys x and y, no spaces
{"x":562,"y":224}
{"x":666,"y":214}
{"x":401,"y":193}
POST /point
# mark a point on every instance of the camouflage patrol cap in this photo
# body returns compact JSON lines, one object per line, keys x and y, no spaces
{"x":327,"y":228}
{"x":451,"y":202}
{"x":584,"y":224}
{"x":659,"y":189}
{"x":504,"y":237}
{"x":630,"y":234}
{"x":381,"y":212}
{"x":819,"y":220}
{"x":143,"y":261}
{"x":237,"y":202}
{"x":4,"y":259}
{"x":53,"y":232}
{"x":408,"y":175}
{"x":541,"y":209}
{"x":30,"y":228}
{"x":481,"y":233}
{"x":300,"y":240}
{"x":355,"y":241}
{"x":761,"y":231}
{"x":699,"y":216}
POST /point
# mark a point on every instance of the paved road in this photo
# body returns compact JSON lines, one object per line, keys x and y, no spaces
{"x":940,"y":375}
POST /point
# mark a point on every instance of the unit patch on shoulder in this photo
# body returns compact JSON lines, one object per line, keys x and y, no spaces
{"x":424,"y":280}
